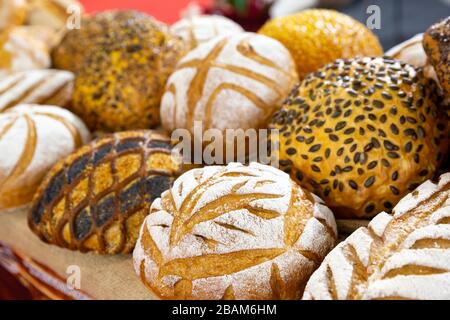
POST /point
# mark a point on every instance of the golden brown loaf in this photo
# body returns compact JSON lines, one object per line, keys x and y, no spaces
{"x":362,"y":133}
{"x":233,"y":232}
{"x":436,"y":42}
{"x":97,"y":198}
{"x":32,"y":139}
{"x":20,"y":51}
{"x":317,"y":37}
{"x":52,"y":13}
{"x":200,"y":29}
{"x":45,"y":87}
{"x":404,"y":256}
{"x":12,"y":13}
{"x":121,"y":83}
{"x":229,"y":83}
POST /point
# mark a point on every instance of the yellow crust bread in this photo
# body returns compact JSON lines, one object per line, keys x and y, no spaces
{"x":317,"y":37}
{"x":200,"y":29}
{"x":401,"y":256}
{"x":362,"y":133}
{"x":233,"y":232}
{"x":52,"y":13}
{"x":12,"y":13}
{"x":230,"y":82}
{"x":44,"y":87}
{"x":20,"y":51}
{"x":121,"y":83}
{"x":32,"y":139}
{"x":436,"y":42}
{"x":97,"y":198}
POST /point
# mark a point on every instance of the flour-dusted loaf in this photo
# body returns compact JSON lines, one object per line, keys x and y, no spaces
{"x":52,"y":13}
{"x":233,"y":232}
{"x":200,"y":29}
{"x":228,"y":83}
{"x":20,"y":50}
{"x":32,"y":139}
{"x":12,"y":12}
{"x":404,"y":256}
{"x":44,"y":87}
{"x":97,"y":198}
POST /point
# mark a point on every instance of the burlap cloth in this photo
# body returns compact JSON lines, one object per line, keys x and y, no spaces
{"x":102,"y":277}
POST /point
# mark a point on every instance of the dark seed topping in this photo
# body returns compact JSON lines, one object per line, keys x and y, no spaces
{"x":353,"y":185}
{"x":369,"y":182}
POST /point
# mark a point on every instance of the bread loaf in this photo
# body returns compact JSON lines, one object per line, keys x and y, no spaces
{"x":45,"y":87}
{"x":228,"y":83}
{"x":52,"y":13}
{"x":97,"y":198}
{"x":32,"y":139}
{"x":233,"y":232}
{"x":404,"y":256}
{"x":12,"y":12}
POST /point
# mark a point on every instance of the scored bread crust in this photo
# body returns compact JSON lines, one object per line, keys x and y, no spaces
{"x":233,"y":232}
{"x":32,"y":139}
{"x":97,"y":197}
{"x":404,"y":256}
{"x":44,"y":87}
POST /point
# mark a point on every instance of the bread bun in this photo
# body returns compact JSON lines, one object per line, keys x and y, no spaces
{"x":12,"y":13}
{"x":228,"y":83}
{"x":121,"y":83}
{"x":404,"y":256}
{"x":45,"y":87}
{"x":233,"y":232}
{"x":362,"y":133}
{"x":200,"y":29}
{"x":317,"y":37}
{"x":20,"y":51}
{"x":97,"y":198}
{"x":32,"y":139}
{"x":51,"y":13}
{"x":436,"y":42}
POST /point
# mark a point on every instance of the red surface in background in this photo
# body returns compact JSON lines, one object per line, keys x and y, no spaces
{"x":165,"y":10}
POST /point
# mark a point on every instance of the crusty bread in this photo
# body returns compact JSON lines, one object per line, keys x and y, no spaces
{"x":51,"y":13}
{"x":233,"y":232}
{"x":45,"y":87}
{"x":12,"y":12}
{"x":32,"y":139}
{"x":404,"y":256}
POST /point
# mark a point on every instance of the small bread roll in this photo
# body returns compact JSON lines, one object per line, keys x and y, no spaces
{"x":20,"y":51}
{"x":32,"y":139}
{"x":12,"y":13}
{"x":234,"y":232}
{"x":44,"y":87}
{"x":404,"y":256}
{"x":97,"y":198}
{"x":200,"y":29}
{"x":52,"y":13}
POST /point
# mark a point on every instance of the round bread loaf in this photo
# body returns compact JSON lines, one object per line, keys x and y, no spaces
{"x":32,"y":139}
{"x":122,"y":82}
{"x":404,"y":256}
{"x":228,"y":83}
{"x":200,"y":29}
{"x":97,"y":198}
{"x":20,"y":51}
{"x":52,"y":13}
{"x":12,"y":13}
{"x":362,"y":133}
{"x":44,"y":87}
{"x":233,"y":232}
{"x":317,"y":37}
{"x":436,"y":42}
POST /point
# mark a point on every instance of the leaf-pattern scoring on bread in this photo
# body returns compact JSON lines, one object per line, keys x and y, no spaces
{"x":233,"y":232}
{"x":404,"y":256}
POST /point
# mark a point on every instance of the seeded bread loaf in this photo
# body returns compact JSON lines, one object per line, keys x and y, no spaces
{"x":32,"y":139}
{"x":97,"y":198}
{"x":233,"y":232}
{"x":401,"y":256}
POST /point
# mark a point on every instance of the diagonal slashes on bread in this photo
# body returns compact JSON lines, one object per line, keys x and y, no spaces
{"x":233,"y":232}
{"x":404,"y":256}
